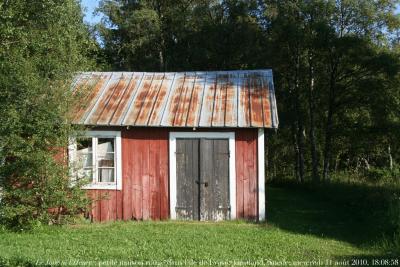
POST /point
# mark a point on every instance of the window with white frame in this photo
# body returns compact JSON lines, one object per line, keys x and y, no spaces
{"x":96,"y":155}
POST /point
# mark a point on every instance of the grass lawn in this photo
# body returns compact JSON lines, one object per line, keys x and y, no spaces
{"x":300,"y":227}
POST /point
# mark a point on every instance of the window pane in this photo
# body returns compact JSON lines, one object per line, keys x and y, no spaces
{"x":105,"y":152}
{"x":106,"y":160}
{"x":84,"y":157}
{"x":105,"y":145}
{"x":84,"y":144}
{"x":85,"y":160}
{"x":106,"y":175}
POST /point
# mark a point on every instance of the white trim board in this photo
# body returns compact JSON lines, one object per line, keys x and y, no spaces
{"x":172,"y":165}
{"x":261,"y":175}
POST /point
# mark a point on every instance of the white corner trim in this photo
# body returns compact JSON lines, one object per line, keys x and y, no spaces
{"x":118,"y":158}
{"x":261,"y":175}
{"x":172,"y":165}
{"x":172,"y":176}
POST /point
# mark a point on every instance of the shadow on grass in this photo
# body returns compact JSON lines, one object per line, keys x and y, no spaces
{"x":339,"y":212}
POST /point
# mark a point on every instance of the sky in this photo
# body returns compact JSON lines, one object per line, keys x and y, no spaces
{"x":90,"y":6}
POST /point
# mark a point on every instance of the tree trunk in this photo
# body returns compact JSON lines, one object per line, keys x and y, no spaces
{"x":366,"y":163}
{"x":296,"y":153}
{"x":390,"y":158}
{"x":298,"y":144}
{"x":162,"y":49}
{"x":300,"y":141}
{"x":329,"y":124}
{"x":162,"y":62}
{"x":266,"y":157}
{"x":337,"y":161}
{"x":311,"y":110}
{"x":299,"y":128}
{"x":328,"y":147}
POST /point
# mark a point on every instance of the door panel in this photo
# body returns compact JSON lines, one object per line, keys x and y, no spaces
{"x":202,"y":167}
{"x":206,"y":178}
{"x":221,"y":152}
{"x":214,"y":176}
{"x":187,"y":173}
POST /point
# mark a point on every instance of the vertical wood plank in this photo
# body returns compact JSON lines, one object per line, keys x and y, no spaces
{"x":181,"y":205}
{"x":194,"y":170}
{"x":163,"y":175}
{"x":92,"y":212}
{"x":246,"y":186}
{"x":187,"y":175}
{"x":253,"y":177}
{"x":144,"y":144}
{"x":97,"y":196}
{"x":154,"y":167}
{"x":206,"y":176}
{"x":111,"y":211}
{"x":119,"y":205}
{"x":239,"y":175}
{"x":221,"y":152}
{"x":246,"y":173}
{"x":139,"y":178}
{"x":127,"y":173}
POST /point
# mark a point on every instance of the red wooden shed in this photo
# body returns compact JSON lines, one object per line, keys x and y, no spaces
{"x":174,"y":145}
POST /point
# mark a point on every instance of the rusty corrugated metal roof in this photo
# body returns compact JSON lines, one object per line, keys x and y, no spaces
{"x":182,"y":99}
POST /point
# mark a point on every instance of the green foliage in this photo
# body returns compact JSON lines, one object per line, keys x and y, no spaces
{"x":337,"y":77}
{"x":42,"y":44}
{"x":181,"y":35}
{"x":384,"y":175}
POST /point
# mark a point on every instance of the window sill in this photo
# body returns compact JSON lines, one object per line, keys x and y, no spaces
{"x":104,"y":186}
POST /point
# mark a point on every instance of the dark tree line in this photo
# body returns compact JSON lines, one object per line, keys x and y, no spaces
{"x":335,"y":63}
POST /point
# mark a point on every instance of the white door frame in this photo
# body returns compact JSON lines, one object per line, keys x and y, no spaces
{"x":261,"y":175}
{"x":172,"y":165}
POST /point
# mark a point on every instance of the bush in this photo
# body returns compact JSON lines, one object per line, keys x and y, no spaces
{"x":37,"y":190}
{"x":394,"y":219}
{"x":43,"y":43}
{"x":383,"y":175}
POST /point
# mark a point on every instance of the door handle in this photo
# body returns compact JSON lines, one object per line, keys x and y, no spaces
{"x":205,"y":183}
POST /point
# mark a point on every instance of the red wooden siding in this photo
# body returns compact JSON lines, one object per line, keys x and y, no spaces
{"x":107,"y":205}
{"x":145,"y":173}
{"x":246,"y":174}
